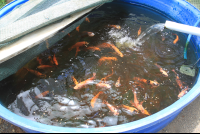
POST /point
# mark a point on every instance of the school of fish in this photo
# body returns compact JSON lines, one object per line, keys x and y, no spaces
{"x":103,"y":85}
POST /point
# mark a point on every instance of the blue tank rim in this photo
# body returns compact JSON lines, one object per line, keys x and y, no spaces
{"x":139,"y":124}
{"x":10,"y":6}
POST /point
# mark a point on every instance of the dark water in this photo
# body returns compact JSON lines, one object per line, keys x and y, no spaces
{"x":67,"y":107}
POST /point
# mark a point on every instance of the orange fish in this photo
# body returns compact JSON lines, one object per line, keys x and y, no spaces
{"x":93,"y":48}
{"x":138,"y":105}
{"x":42,"y":94}
{"x":176,"y":40}
{"x":164,"y":73}
{"x":131,"y":109}
{"x":102,"y":59}
{"x":118,"y":84}
{"x":116,"y":50}
{"x":87,"y":19}
{"x":114,"y":110}
{"x":55,"y":60}
{"x":114,"y":26}
{"x":44,"y":66}
{"x":139,"y":31}
{"x":69,"y":35}
{"x":104,"y":45}
{"x":152,"y":83}
{"x":87,"y":34}
{"x":86,"y":82}
{"x":178,"y":81}
{"x":103,"y":85}
{"x":75,"y":81}
{"x":183,"y":92}
{"x":95,"y":98}
{"x":36,"y":73}
{"x":78,"y":28}
{"x":39,"y":60}
{"x":107,"y":76}
{"x":139,"y":85}
{"x":51,"y":60}
{"x":79,"y":44}
{"x":77,"y":50}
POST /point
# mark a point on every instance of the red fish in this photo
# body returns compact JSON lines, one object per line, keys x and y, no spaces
{"x":114,"y":110}
{"x":95,"y":98}
{"x":36,"y":73}
{"x":87,"y":19}
{"x":104,"y":45}
{"x":39,"y":60}
{"x":161,"y":70}
{"x":102,"y":59}
{"x":77,"y":50}
{"x":44,"y":66}
{"x":51,"y":60}
{"x":78,"y":28}
{"x":86,"y":82}
{"x":138,"y":104}
{"x":55,"y":60}
{"x":79,"y":44}
{"x":93,"y":48}
{"x":42,"y":94}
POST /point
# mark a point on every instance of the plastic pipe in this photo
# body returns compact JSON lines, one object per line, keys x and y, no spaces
{"x":188,"y":40}
{"x":182,"y":28}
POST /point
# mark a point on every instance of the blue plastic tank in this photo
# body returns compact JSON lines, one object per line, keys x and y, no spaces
{"x":180,"y":11}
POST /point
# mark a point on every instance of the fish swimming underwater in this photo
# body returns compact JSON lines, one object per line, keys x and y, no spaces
{"x":114,"y":110}
{"x":55,"y":60}
{"x":95,"y":98}
{"x":114,"y":26}
{"x":109,"y":59}
{"x":139,"y":31}
{"x":86,"y":82}
{"x":42,"y":94}
{"x":35,"y":73}
{"x":183,"y":92}
{"x":138,"y":104}
{"x":164,"y":73}
{"x":118,"y":84}
{"x":78,"y":44}
{"x":176,"y":40}
{"x":44,"y":66}
{"x":178,"y":81}
{"x":150,"y":82}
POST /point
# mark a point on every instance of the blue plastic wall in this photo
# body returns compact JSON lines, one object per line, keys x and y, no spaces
{"x":180,"y":11}
{"x":10,"y":6}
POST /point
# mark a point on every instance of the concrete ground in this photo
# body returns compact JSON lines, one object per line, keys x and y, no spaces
{"x":188,"y":121}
